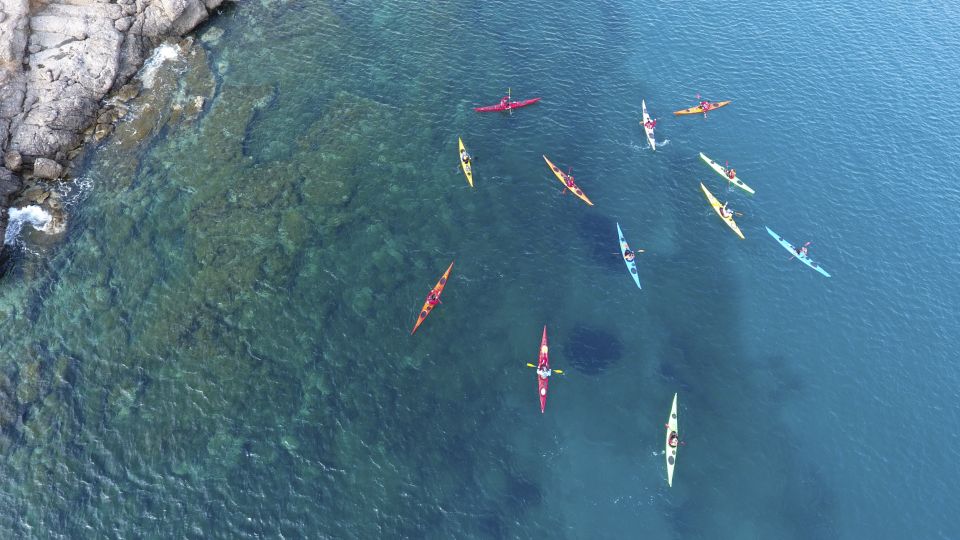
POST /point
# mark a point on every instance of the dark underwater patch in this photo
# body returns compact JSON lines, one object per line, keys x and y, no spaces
{"x":592,"y":350}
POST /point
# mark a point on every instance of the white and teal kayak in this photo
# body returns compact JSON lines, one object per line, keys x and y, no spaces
{"x":722,"y":171}
{"x":671,"y":451}
{"x":804,"y":258}
{"x":631,"y":265}
{"x":648,"y":131}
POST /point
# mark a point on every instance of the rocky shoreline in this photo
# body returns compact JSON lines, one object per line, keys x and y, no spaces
{"x":58,"y":62}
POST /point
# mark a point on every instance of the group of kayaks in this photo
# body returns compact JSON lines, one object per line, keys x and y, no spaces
{"x":544,"y":371}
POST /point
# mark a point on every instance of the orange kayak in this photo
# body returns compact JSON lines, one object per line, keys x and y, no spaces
{"x":562,"y":176}
{"x":435,"y":292}
{"x":699,"y":110}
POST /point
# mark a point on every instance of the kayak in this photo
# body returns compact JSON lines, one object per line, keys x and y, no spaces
{"x":699,"y":110}
{"x":805,"y":259}
{"x":722,"y":171}
{"x":716,"y":208}
{"x":467,"y":167}
{"x":631,"y":265}
{"x":562,"y":176}
{"x":543,"y":362}
{"x":427,"y":308}
{"x":649,"y":131}
{"x":508,"y":106}
{"x":671,"y":451}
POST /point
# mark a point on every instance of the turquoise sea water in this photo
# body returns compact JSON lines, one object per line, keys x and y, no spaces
{"x":219,"y":343}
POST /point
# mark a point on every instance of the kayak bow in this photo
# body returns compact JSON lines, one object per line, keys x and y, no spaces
{"x":699,"y":110}
{"x":467,"y":167}
{"x":805,"y":259}
{"x":543,"y":362}
{"x":631,"y":265}
{"x":562,"y":176}
{"x":722,"y":171}
{"x":508,"y":107}
{"x":671,"y":451}
{"x":427,"y":308}
{"x":648,"y":131}
{"x":716,"y":208}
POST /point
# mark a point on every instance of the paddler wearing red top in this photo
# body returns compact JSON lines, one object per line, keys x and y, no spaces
{"x":650,"y":123}
{"x":731,"y":173}
{"x":504,"y":100}
{"x":705,"y":106}
{"x":433,"y":299}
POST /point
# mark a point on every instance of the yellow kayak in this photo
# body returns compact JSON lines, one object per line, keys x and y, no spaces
{"x":467,"y":165}
{"x":699,"y":110}
{"x":563,"y":180}
{"x":716,"y":208}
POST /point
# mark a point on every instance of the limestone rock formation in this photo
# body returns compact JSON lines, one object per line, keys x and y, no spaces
{"x":59,"y":59}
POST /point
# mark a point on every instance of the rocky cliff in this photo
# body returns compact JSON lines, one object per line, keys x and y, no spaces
{"x":58,"y":60}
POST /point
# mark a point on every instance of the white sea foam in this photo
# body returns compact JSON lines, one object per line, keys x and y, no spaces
{"x":160,"y":55}
{"x":37,"y":217}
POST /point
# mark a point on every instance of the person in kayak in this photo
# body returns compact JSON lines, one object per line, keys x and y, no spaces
{"x":649,"y":124}
{"x":544,"y":372}
{"x":705,"y":106}
{"x":504,"y":100}
{"x":674,"y":439}
{"x":433,"y":298}
{"x":465,"y":157}
{"x":802,"y":250}
{"x":628,"y":254}
{"x":731,"y":173}
{"x":569,"y":181}
{"x":725,"y":212}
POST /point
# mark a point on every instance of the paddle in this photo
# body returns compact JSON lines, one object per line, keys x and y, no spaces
{"x":635,"y":251}
{"x":557,"y":371}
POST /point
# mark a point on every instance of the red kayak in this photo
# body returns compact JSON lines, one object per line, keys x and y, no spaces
{"x":543,"y":364}
{"x":433,"y":298}
{"x":506,"y":105}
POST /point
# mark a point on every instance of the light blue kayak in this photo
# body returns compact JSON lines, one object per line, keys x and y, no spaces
{"x":793,"y":251}
{"x":631,"y":265}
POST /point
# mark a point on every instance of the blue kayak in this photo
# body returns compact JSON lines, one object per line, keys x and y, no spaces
{"x":804,"y":258}
{"x":631,"y":265}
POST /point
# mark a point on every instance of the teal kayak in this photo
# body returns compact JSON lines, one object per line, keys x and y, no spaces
{"x":631,"y":265}
{"x":804,"y":258}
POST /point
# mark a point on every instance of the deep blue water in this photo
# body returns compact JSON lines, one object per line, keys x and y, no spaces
{"x":220,"y":344}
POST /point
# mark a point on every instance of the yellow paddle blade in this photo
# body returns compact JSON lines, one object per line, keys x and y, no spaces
{"x":530,"y":365}
{"x":560,"y":371}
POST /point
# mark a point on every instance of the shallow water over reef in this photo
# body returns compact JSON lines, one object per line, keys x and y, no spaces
{"x":219,"y":344}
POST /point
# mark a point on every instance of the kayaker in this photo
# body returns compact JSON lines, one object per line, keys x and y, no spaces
{"x":570,"y":183}
{"x":465,"y":157}
{"x":544,"y":371}
{"x":705,"y":106}
{"x":674,"y":440}
{"x":504,"y":100}
{"x":649,"y":124}
{"x":731,"y":173}
{"x":433,"y":299}
{"x":628,"y":254}
{"x":802,"y":251}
